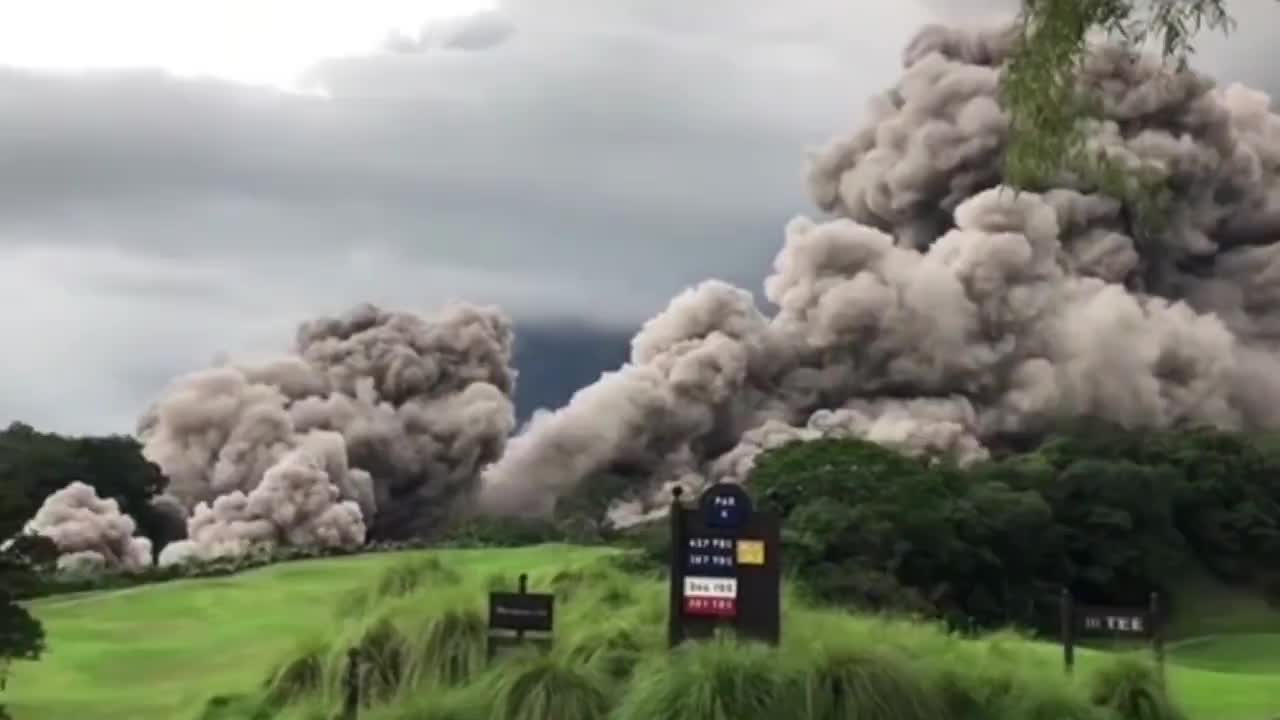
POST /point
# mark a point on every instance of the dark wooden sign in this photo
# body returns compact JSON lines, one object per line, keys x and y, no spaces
{"x":520,"y":618}
{"x":517,"y":612}
{"x":1115,"y":622}
{"x":725,"y":567}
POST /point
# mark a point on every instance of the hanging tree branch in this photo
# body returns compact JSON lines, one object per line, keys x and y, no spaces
{"x":1048,"y":108}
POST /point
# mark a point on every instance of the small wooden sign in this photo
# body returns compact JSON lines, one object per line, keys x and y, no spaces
{"x":520,"y":619}
{"x":1117,"y":622}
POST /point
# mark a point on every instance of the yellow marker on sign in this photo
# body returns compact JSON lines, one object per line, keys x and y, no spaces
{"x":750,"y":552}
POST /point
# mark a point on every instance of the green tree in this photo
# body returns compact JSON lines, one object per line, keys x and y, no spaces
{"x":34,"y":465}
{"x":1047,"y":105}
{"x":869,"y":527}
{"x":21,"y":635}
{"x":1114,"y":514}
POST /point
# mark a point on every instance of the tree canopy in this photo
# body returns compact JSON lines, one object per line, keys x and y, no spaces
{"x":34,"y":465}
{"x":1112,"y":514}
{"x":21,"y":635}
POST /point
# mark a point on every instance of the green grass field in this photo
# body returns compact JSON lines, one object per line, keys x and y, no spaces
{"x":160,"y":652}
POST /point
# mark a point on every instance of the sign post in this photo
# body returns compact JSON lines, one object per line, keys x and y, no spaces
{"x":1099,"y":621}
{"x":512,"y":615}
{"x":1068,"y":615}
{"x":351,"y":704}
{"x":725,"y":567}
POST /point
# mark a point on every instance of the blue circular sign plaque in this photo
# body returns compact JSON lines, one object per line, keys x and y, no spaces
{"x":726,"y":506}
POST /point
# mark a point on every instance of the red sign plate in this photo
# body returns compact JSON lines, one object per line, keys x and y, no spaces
{"x":711,"y":606}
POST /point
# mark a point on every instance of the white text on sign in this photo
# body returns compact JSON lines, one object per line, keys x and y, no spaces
{"x":711,"y":587}
{"x":720,"y":561}
{"x":703,"y":543}
{"x":1115,"y":623}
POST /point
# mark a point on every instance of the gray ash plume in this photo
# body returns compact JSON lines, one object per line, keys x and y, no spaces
{"x":90,"y":532}
{"x":377,"y":422}
{"x":937,"y":310}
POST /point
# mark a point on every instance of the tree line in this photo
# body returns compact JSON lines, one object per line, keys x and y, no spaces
{"x":1111,"y":514}
{"x":34,"y":465}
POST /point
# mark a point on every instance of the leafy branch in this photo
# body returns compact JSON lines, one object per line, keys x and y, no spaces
{"x":1049,"y":109}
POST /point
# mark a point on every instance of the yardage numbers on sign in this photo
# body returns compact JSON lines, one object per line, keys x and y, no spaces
{"x":711,"y":587}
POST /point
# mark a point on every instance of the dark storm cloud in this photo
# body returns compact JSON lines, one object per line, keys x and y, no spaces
{"x":586,"y":165}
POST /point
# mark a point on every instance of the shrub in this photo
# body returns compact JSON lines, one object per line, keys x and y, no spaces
{"x":547,"y":688}
{"x":1132,"y":689}
{"x":298,"y":677}
{"x":721,"y":679}
{"x":867,"y":684}
{"x":382,"y":651}
{"x":614,"y":650}
{"x":453,"y":651}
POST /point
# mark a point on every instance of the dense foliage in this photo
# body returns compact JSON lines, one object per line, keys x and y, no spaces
{"x":34,"y":465}
{"x":1113,"y":515}
{"x":21,"y":635}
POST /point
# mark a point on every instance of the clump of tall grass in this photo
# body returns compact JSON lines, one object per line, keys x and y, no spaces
{"x":399,"y":580}
{"x":301,"y":675}
{"x":719,"y":679}
{"x":465,"y":704}
{"x":1132,"y":689}
{"x":613,"y":650}
{"x":235,"y":707}
{"x":499,"y":582}
{"x":867,"y":683}
{"x":405,"y":578}
{"x":422,"y":652}
{"x":532,"y":687}
{"x":451,"y":650}
{"x":1002,"y":678}
{"x":382,"y":651}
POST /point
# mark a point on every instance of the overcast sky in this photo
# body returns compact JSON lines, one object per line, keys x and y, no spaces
{"x":182,"y":178}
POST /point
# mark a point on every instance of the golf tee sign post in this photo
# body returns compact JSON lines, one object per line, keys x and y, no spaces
{"x":1116,"y":622}
{"x":725,"y":569}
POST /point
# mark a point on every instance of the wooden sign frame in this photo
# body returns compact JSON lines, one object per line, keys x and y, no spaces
{"x":725,"y":568}
{"x":520,"y":619}
{"x":1078,"y":621}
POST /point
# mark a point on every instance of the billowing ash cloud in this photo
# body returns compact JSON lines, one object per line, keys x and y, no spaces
{"x":90,"y":532}
{"x":378,"y":421}
{"x":297,"y":503}
{"x":938,"y":311}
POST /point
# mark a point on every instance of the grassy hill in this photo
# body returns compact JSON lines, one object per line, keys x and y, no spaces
{"x":162,"y":651}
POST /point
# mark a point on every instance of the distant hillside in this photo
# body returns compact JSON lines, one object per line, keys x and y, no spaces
{"x":556,"y":359}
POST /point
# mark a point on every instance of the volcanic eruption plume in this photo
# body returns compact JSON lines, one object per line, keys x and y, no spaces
{"x":379,"y":420}
{"x":938,"y":310}
{"x":90,"y":532}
